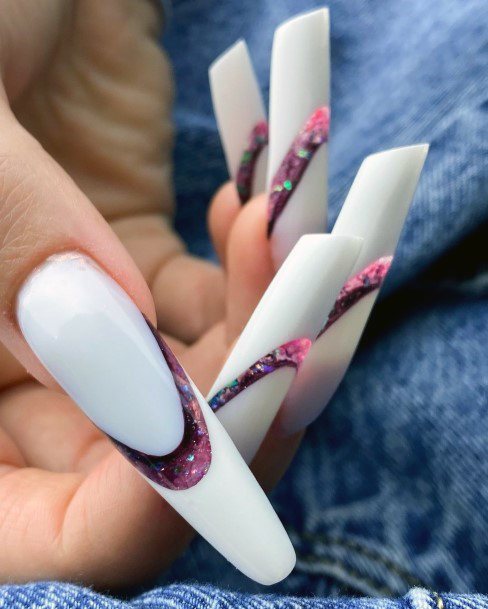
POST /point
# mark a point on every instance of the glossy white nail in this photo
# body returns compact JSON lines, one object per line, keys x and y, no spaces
{"x":375,"y":210}
{"x":239,"y":109}
{"x":257,"y":374}
{"x":94,"y":341}
{"x":299,"y":86}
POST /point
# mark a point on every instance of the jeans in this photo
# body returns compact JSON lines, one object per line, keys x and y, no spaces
{"x":389,"y":491}
{"x":68,"y":596}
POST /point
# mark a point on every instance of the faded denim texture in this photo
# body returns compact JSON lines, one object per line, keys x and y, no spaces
{"x":389,"y":491}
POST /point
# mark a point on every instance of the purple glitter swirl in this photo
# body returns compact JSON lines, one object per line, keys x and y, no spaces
{"x":290,"y":354}
{"x":189,"y":462}
{"x":364,"y":282}
{"x":311,"y":137}
{"x":257,"y":141}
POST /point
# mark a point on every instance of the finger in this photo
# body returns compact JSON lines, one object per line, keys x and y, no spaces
{"x":196,"y":299}
{"x":49,"y":430}
{"x":222,"y":214}
{"x":206,"y":356}
{"x":250,"y":268}
{"x":70,"y":527}
{"x":42,"y":212}
{"x":126,"y":521}
{"x":189,"y":295}
{"x":11,"y":371}
{"x":274,"y":457}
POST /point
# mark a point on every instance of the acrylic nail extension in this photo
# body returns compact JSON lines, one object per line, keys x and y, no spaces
{"x":298,"y":131}
{"x":258,"y":372}
{"x":241,"y":119}
{"x":375,"y":209}
{"x":98,"y":346}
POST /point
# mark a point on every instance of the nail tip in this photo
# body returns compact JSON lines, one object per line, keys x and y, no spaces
{"x":413,"y":151}
{"x":239,"y":47}
{"x":280,"y":576}
{"x":301,"y":19}
{"x":281,"y":569}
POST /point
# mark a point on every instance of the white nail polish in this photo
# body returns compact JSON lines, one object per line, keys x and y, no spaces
{"x":257,"y":374}
{"x":239,"y":110}
{"x":299,"y":86}
{"x":94,"y":341}
{"x":375,"y":210}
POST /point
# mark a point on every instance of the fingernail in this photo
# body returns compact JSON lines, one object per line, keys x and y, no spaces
{"x":298,"y":131}
{"x":260,"y":369}
{"x":297,"y":159}
{"x":94,"y":341}
{"x":375,"y":210}
{"x":241,"y":119}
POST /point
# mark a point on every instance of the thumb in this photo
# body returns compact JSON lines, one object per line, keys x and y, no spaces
{"x":43,"y":212}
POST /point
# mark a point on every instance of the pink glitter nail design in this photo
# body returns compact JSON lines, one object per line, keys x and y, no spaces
{"x":188,"y":463}
{"x":311,"y":137}
{"x":364,"y":282}
{"x":290,"y":354}
{"x":257,"y":141}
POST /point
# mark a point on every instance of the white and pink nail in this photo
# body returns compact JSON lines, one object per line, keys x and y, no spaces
{"x":262,"y":365}
{"x":375,"y":210}
{"x":293,"y":150}
{"x":97,"y":345}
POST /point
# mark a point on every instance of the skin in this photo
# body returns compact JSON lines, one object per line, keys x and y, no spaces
{"x":85,"y":165}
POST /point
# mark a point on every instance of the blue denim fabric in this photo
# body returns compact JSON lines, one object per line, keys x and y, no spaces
{"x":59,"y":596}
{"x":389,"y":490}
{"x":390,"y":487}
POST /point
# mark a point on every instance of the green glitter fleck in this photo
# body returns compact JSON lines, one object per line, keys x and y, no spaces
{"x":246,"y":157}
{"x":287,"y":184}
{"x":303,"y":154}
{"x":190,"y":457}
{"x":278,"y":188}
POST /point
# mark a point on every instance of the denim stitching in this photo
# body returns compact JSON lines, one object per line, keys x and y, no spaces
{"x":354,"y":545}
{"x":379,"y":588}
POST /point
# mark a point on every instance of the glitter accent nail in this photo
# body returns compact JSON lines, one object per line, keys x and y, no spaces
{"x":290,"y":354}
{"x":257,"y":141}
{"x":364,"y":282}
{"x":187,"y":464}
{"x":311,"y":137}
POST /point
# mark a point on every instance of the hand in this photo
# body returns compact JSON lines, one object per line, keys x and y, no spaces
{"x":85,"y":165}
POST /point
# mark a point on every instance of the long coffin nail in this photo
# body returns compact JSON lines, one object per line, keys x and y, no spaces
{"x":374,"y":210}
{"x":241,"y":119}
{"x":257,"y":374}
{"x":298,"y":131}
{"x":94,"y":341}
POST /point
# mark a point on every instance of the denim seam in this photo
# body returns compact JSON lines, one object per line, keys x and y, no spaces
{"x":378,"y":587}
{"x":374,"y":555}
{"x":355,"y":546}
